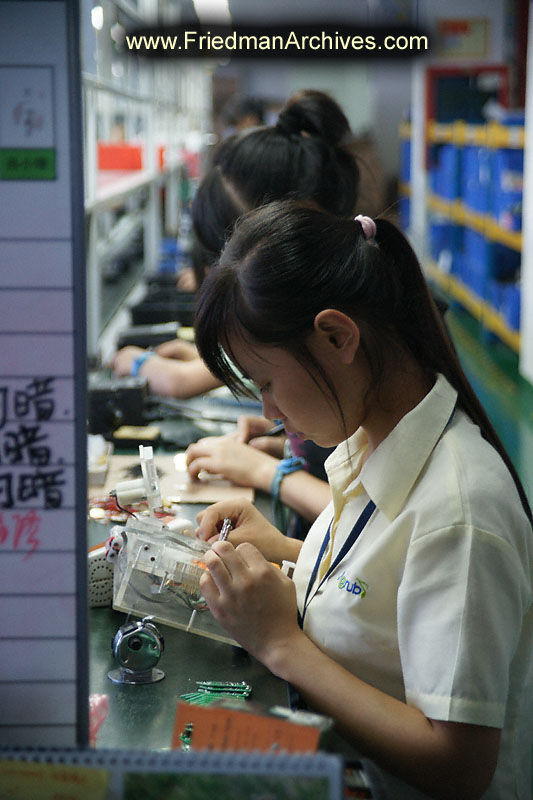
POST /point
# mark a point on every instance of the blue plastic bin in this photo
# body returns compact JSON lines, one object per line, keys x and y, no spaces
{"x":492,"y":259}
{"x":446,"y":173}
{"x":169,"y":246}
{"x":505,"y":262}
{"x":405,"y":161}
{"x":510,"y":306}
{"x":445,"y":241}
{"x":404,"y":213}
{"x":476,"y":178}
{"x":494,"y":293}
{"x":507,"y":185}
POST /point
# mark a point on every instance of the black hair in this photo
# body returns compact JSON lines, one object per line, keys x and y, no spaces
{"x":287,"y":261}
{"x":304,"y":156}
{"x":240,"y":107}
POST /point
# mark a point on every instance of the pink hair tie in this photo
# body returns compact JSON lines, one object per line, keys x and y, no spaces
{"x":368,"y":225}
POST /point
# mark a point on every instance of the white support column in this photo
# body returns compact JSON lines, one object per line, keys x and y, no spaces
{"x":418,"y":224}
{"x":152,"y":216}
{"x":526,"y":316}
{"x":94,"y":288}
{"x":91,"y":144}
{"x":172,"y":203}
{"x":152,"y":227}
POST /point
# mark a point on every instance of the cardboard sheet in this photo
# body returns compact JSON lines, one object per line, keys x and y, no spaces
{"x":174,"y":481}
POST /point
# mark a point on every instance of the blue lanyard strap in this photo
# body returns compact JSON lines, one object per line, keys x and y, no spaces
{"x":347,"y":546}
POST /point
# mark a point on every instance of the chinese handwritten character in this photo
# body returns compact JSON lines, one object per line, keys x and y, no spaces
{"x":3,"y":406}
{"x":6,"y":492}
{"x":4,"y":531}
{"x":23,"y":443}
{"x":27,"y":525}
{"x":37,"y":393}
{"x":30,"y":485}
{"x":25,"y":531}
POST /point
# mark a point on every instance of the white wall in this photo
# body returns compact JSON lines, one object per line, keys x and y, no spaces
{"x":349,"y":85}
{"x":347,"y":82}
{"x":390,"y":97}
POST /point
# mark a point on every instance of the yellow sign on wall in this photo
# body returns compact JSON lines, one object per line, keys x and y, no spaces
{"x":462,"y":38}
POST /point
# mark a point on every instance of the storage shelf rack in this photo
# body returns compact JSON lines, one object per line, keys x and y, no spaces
{"x":491,"y":136}
{"x":166,"y":127}
{"x":489,"y":318}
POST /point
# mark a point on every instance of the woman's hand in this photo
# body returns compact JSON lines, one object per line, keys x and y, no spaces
{"x":250,"y":430}
{"x":187,"y":280}
{"x":248,"y":525}
{"x":123,"y":359}
{"x":249,"y":425}
{"x":240,"y":463}
{"x":252,"y":599}
{"x":175,"y":348}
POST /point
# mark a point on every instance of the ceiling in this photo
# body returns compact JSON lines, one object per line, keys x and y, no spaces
{"x":308,"y":11}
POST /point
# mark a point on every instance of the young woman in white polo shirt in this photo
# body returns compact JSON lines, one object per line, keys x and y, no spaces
{"x":409,"y":618}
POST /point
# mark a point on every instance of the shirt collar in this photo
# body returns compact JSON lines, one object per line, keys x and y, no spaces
{"x":390,"y":472}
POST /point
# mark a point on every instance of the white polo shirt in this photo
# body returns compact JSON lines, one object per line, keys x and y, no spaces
{"x":432,"y":604}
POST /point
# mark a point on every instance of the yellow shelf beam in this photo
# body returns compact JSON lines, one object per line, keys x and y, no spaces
{"x":493,"y":135}
{"x":512,"y":239}
{"x":457,"y":212}
{"x":479,"y":308}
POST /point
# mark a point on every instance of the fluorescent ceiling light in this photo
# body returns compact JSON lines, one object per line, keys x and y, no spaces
{"x":97,"y":17}
{"x":216,"y":11}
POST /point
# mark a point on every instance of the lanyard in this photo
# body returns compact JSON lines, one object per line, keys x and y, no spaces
{"x":347,"y":546}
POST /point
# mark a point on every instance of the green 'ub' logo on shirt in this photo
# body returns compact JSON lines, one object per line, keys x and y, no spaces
{"x":357,"y":586}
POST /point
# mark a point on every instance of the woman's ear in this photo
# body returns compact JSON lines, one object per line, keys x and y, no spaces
{"x":338,"y":332}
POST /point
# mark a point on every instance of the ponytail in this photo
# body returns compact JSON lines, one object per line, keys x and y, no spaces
{"x":316,"y":114}
{"x":428,"y":341}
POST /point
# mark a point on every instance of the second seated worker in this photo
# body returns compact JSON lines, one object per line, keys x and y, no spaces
{"x":307,"y":155}
{"x":409,"y":618}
